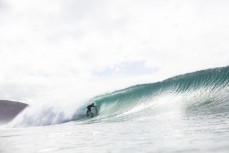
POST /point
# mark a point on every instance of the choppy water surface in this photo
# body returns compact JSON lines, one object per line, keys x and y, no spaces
{"x":164,"y":133}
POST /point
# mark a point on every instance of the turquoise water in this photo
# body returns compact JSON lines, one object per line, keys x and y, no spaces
{"x":187,"y":113}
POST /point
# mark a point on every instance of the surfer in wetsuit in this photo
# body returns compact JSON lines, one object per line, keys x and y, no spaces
{"x":89,"y":109}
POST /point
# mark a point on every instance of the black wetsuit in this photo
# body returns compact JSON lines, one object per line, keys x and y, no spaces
{"x":89,"y":108}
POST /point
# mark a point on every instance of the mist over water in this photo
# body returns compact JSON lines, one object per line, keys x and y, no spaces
{"x":187,"y":113}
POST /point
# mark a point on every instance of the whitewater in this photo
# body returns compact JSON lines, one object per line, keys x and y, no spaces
{"x":187,"y":113}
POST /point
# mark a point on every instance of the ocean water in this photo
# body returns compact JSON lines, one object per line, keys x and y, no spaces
{"x":188,"y":113}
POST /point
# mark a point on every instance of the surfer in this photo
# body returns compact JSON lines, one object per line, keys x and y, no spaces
{"x":89,"y":109}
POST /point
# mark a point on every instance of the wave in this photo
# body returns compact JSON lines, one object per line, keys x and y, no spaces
{"x":203,"y":92}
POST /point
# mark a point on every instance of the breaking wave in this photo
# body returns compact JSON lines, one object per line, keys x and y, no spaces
{"x":203,"y":92}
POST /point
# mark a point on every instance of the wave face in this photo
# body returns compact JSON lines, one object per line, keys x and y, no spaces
{"x":204,"y":92}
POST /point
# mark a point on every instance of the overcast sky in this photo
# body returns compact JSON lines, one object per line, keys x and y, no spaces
{"x":66,"y":50}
